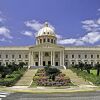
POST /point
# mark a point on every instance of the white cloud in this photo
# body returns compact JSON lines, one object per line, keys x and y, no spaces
{"x":28,"y":33}
{"x":98,"y":21}
{"x":2,"y":39}
{"x":91,"y":25}
{"x":36,"y":25}
{"x":67,"y":41}
{"x":59,"y":36}
{"x":99,"y":9}
{"x":91,"y":38}
{"x":5,"y":32}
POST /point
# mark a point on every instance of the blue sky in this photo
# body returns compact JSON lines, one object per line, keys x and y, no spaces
{"x":76,"y":22}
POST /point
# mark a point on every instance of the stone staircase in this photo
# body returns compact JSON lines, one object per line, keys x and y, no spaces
{"x":27,"y":78}
{"x":76,"y":80}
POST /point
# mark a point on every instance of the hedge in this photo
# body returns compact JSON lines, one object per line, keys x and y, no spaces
{"x":11,"y":79}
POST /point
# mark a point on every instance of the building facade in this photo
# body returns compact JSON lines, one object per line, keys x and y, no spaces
{"x":47,"y":52}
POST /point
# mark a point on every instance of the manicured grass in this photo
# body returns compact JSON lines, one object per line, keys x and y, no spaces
{"x":94,"y":72}
{"x":90,"y":77}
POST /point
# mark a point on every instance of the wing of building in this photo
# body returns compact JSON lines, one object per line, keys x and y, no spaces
{"x":48,"y":52}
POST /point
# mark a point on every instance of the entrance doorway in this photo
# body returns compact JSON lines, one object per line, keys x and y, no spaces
{"x":49,"y":62}
{"x":36,"y":63}
{"x":43,"y":63}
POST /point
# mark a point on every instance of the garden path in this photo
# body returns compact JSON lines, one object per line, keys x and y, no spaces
{"x":27,"y":78}
{"x":74,"y":78}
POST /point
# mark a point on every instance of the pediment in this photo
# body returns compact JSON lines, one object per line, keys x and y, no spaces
{"x":47,"y":46}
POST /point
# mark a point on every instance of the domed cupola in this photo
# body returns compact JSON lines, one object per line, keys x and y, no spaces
{"x":46,"y":34}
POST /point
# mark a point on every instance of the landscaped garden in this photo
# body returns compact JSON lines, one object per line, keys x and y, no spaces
{"x":49,"y":76}
{"x":88,"y":72}
{"x":11,"y":73}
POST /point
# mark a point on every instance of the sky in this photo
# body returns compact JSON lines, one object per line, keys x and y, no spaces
{"x":75,"y":22}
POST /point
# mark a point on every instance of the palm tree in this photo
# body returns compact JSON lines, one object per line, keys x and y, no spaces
{"x":88,"y":67}
{"x":97,"y":66}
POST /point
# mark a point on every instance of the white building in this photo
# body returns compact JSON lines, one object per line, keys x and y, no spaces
{"x":46,"y":52}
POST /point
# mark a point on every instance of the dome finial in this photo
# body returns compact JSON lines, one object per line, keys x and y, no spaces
{"x":46,"y":24}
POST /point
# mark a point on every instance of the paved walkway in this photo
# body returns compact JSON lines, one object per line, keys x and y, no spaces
{"x":27,"y":78}
{"x":75,"y":79}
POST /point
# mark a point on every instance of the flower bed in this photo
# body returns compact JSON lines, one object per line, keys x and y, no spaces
{"x":42,"y":79}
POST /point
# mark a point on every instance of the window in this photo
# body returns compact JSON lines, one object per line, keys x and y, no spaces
{"x":40,"y":40}
{"x":97,"y":62}
{"x":85,"y":56}
{"x":56,"y":63}
{"x":43,"y":40}
{"x":0,"y":56}
{"x":19,"y":56}
{"x":79,"y":56}
{"x":48,"y":32}
{"x":13,"y":56}
{"x":51,"y":40}
{"x":72,"y":56}
{"x":6,"y":63}
{"x":97,"y":56}
{"x":48,"y":40}
{"x":6,"y":56}
{"x":85,"y":62}
{"x":44,"y":32}
{"x":66,"y":56}
{"x":91,"y":63}
{"x":26,"y":56}
{"x":91,"y":56}
{"x":56,"y":56}
{"x":46,"y":54}
{"x":36,"y":56}
{"x":26,"y":63}
{"x":73,"y":63}
{"x":66,"y":63}
{"x":0,"y":63}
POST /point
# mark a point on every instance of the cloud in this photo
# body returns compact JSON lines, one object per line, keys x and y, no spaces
{"x":2,"y":39}
{"x":91,"y":25}
{"x":5,"y":32}
{"x":36,"y":25}
{"x":28,"y":33}
{"x":59,"y":36}
{"x":99,"y":9}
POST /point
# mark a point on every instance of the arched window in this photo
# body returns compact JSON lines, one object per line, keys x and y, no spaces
{"x":43,"y":40}
{"x":48,"y":40}
{"x":51,"y":40}
{"x":40,"y":40}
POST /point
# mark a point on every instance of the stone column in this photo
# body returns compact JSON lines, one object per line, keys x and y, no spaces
{"x":29,"y":59}
{"x":63,"y":58}
{"x":39,"y":58}
{"x":60,"y":58}
{"x":51,"y":58}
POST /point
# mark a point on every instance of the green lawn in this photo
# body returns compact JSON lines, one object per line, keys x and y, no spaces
{"x":94,"y":72}
{"x":90,"y":77}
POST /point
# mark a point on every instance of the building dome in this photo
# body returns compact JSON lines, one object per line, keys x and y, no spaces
{"x":46,"y":30}
{"x":45,"y":35}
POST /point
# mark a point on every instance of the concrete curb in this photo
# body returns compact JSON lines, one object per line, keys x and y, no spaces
{"x":46,"y":90}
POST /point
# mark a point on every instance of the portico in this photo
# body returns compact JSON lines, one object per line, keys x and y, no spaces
{"x":47,"y":54}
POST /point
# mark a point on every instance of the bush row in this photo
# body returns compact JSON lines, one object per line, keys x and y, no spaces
{"x":11,"y":79}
